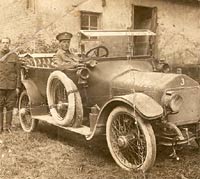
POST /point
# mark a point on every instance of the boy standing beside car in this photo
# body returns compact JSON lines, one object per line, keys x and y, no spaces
{"x":9,"y":83}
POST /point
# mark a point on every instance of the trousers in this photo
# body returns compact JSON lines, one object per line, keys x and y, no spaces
{"x":8,"y":98}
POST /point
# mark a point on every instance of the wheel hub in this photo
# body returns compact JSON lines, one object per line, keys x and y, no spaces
{"x":123,"y":141}
{"x":61,"y":105}
{"x":23,"y":111}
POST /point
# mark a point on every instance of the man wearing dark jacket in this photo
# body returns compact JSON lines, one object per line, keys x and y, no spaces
{"x":9,"y":82}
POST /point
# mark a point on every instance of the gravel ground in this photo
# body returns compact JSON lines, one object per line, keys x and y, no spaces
{"x":52,"y":153}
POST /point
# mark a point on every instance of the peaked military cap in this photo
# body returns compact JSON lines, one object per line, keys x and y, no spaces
{"x":64,"y":36}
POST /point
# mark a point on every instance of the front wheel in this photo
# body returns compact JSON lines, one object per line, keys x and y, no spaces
{"x":130,"y":139}
{"x":28,"y":124}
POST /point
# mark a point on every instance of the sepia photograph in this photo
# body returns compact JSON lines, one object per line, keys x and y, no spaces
{"x":100,"y":89}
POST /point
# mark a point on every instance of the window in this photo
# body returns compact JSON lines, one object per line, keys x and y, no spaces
{"x":89,"y":21}
{"x":144,"y":18}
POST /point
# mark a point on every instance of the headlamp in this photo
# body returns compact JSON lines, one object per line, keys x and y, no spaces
{"x":83,"y":73}
{"x":173,"y":102}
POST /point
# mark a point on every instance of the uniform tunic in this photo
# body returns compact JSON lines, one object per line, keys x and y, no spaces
{"x":9,"y":80}
{"x":9,"y":71}
{"x":65,"y":59}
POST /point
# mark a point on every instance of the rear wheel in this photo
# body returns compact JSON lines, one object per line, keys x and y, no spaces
{"x":130,"y":139}
{"x":28,"y":124}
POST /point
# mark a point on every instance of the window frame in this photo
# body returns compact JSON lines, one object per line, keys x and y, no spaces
{"x":89,"y":26}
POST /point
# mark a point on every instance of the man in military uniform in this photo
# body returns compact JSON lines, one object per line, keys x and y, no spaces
{"x":9,"y":82}
{"x":64,"y":58}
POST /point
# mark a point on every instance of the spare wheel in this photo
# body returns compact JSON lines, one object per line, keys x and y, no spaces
{"x":78,"y":116}
{"x":61,"y":98}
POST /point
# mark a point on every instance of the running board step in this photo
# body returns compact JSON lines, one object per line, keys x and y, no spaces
{"x":83,"y":130}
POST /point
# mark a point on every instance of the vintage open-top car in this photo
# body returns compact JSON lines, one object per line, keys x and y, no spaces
{"x":125,"y":98}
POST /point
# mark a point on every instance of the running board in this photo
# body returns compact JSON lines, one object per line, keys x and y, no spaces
{"x":83,"y":130}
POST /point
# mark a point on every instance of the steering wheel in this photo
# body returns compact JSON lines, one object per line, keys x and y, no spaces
{"x":100,"y":51}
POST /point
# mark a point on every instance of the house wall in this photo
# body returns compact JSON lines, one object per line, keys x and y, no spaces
{"x":16,"y":21}
{"x":178,"y":40}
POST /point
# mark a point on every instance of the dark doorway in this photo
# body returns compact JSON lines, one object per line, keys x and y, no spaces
{"x":144,"y":18}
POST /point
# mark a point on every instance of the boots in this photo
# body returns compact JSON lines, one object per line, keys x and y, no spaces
{"x":1,"y":121}
{"x":9,"y":115}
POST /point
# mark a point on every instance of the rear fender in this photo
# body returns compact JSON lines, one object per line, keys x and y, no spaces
{"x":147,"y":107}
{"x":38,"y":102}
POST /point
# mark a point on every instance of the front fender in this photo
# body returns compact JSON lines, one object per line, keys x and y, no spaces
{"x":147,"y":107}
